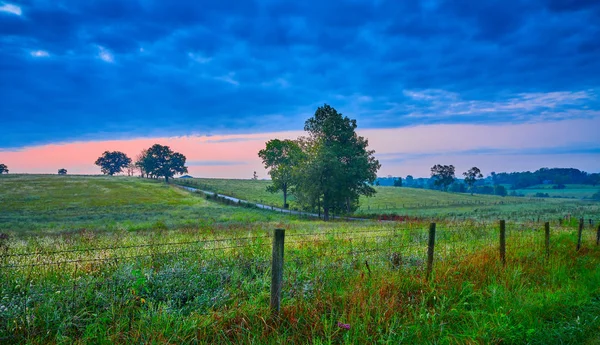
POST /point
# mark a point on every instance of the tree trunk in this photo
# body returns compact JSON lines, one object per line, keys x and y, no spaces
{"x":166,"y":179}
{"x":326,"y":213}
{"x":284,"y":196}
{"x":319,"y":207}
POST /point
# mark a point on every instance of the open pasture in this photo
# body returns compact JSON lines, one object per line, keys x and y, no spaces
{"x":420,"y":202}
{"x":46,"y":203}
{"x":204,"y":277}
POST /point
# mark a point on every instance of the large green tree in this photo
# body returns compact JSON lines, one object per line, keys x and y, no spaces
{"x":338,"y":167}
{"x":443,"y":175}
{"x":3,"y":169}
{"x":160,"y":161}
{"x":281,"y":157}
{"x":111,"y":163}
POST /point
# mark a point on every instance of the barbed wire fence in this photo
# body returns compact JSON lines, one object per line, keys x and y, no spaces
{"x":198,"y":275}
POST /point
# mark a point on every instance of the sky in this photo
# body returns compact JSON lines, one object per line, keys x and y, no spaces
{"x":502,"y":85}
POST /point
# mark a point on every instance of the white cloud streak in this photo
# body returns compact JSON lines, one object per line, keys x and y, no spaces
{"x":10,"y":8}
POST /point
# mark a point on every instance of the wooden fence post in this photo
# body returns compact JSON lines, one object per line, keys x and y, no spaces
{"x":503,"y":242}
{"x":277,"y":271}
{"x":430,"y":248}
{"x":579,"y":232}
{"x":598,"y":235}
{"x":547,"y":235}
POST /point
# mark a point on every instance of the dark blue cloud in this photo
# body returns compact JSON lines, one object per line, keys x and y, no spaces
{"x":78,"y":70}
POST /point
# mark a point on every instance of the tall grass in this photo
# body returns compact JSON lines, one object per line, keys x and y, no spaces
{"x":213,"y":286}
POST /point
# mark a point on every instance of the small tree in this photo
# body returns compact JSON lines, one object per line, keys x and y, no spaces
{"x":3,"y":169}
{"x":281,"y":157}
{"x":142,"y":163}
{"x":131,"y":168}
{"x":62,"y":171}
{"x":443,"y":175}
{"x":160,"y":161}
{"x":254,"y":176}
{"x":111,"y":163}
{"x":472,"y":176}
{"x":398,"y":182}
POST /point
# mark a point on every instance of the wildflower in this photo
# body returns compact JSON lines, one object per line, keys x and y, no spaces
{"x":343,"y":325}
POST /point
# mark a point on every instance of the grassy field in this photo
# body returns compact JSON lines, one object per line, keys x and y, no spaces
{"x":576,"y":191}
{"x":50,"y":203}
{"x":205,"y":278}
{"x":421,"y":202}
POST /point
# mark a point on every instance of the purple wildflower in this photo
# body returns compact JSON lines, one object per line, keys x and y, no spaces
{"x":343,"y":325}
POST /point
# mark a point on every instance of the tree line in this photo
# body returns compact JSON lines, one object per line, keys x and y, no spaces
{"x":328,"y":169}
{"x":154,"y":162}
{"x":556,"y":176}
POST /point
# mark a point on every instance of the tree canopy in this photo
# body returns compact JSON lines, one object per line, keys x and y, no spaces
{"x":443,"y":175}
{"x":281,"y":157}
{"x":3,"y":169}
{"x":111,"y":163}
{"x":62,"y":171}
{"x":337,"y":166}
{"x":161,"y":161}
{"x":472,"y":175}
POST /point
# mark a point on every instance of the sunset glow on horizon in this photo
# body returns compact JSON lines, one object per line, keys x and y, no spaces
{"x":402,"y":151}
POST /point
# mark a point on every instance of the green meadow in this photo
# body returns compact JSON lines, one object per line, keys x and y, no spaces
{"x":49,"y":203}
{"x":114,"y":260}
{"x":421,"y":202}
{"x":574,"y":191}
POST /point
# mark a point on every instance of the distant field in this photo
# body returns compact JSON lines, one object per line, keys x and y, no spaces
{"x":577,"y":191}
{"x":421,"y":202}
{"x":34,"y":203}
{"x":251,"y":190}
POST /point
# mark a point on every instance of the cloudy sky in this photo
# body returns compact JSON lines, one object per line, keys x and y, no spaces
{"x":504,"y":85}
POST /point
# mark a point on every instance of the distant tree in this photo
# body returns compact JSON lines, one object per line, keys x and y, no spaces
{"x":111,"y":163}
{"x":281,"y":157}
{"x":494,"y":178}
{"x":131,"y":168}
{"x":142,"y":162}
{"x":377,"y":183}
{"x":254,"y":176}
{"x":409,"y":180}
{"x":596,"y":196}
{"x":500,"y":190}
{"x":472,"y":176}
{"x":457,"y":187}
{"x":398,"y":182}
{"x":443,"y":175}
{"x":161,"y":161}
{"x":594,"y":179}
{"x":3,"y":169}
{"x":62,"y":171}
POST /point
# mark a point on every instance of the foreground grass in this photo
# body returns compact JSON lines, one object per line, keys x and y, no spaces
{"x":47,"y":203}
{"x":212,"y":286}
